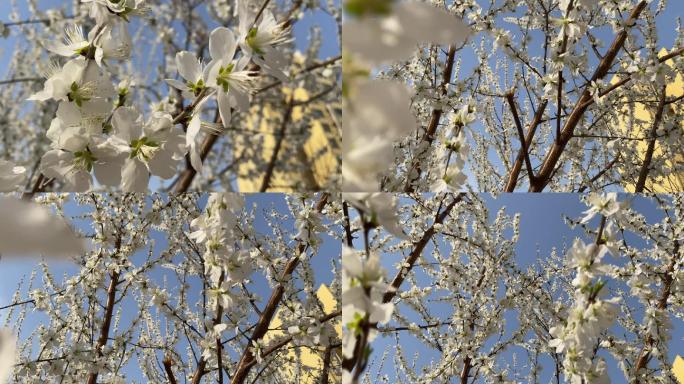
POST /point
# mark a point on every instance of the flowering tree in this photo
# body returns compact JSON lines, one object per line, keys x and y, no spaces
{"x":457,"y":306}
{"x":182,"y":289}
{"x":140,"y":89}
{"x":562,"y":95}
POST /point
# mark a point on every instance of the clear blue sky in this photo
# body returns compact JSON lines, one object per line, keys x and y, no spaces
{"x":14,"y":271}
{"x":542,"y":228}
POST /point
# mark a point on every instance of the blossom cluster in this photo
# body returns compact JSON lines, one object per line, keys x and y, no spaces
{"x":363,"y":287}
{"x":591,"y":314}
{"x":364,"y":306}
{"x":226,"y":264}
{"x":97,"y":131}
{"x":378,"y":111}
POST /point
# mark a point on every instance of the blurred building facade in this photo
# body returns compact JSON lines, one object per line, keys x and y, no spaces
{"x":310,"y":156}
{"x":304,"y":364}
{"x":641,"y":126}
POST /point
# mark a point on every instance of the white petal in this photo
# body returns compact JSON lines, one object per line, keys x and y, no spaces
{"x":195,"y":158}
{"x":135,"y":176}
{"x":163,"y":164}
{"x":99,"y":54}
{"x":69,"y":113}
{"x":211,"y":72}
{"x":377,"y":40}
{"x":222,"y":44}
{"x":177,"y":84}
{"x":240,"y":99}
{"x":51,"y":164}
{"x":77,"y":181}
{"x":351,"y":262}
{"x":188,"y":66}
{"x":384,"y":108}
{"x":271,"y":69}
{"x":108,"y":173}
{"x":99,"y":80}
{"x":382,"y":313}
{"x":193,"y":129}
{"x":109,"y":163}
{"x":224,"y":107}
{"x":126,"y":122}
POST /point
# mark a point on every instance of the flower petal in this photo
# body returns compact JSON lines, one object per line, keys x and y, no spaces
{"x":135,"y":176}
{"x":188,"y":66}
{"x":222,"y":44}
{"x":224,"y":108}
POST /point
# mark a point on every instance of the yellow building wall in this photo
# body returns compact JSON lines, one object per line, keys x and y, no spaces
{"x":311,"y":359}
{"x":671,"y":182}
{"x":678,"y":369}
{"x":320,"y":154}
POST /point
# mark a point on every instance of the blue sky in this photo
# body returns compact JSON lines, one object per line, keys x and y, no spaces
{"x":14,"y":271}
{"x":542,"y":228}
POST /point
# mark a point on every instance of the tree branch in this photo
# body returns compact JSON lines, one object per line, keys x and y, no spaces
{"x":645,"y":353}
{"x":436,"y":116}
{"x":107,"y":318}
{"x":168,"y":364}
{"x":531,"y":130}
{"x":648,"y":157}
{"x":407,"y":265}
{"x":326,"y":365}
{"x":521,"y":136}
{"x":247,"y":360}
{"x":287,"y":116}
{"x":553,"y":156}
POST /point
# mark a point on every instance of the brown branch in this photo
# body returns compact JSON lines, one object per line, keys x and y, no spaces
{"x":645,"y":353}
{"x":326,"y":365}
{"x":553,"y":156}
{"x":168,"y":364}
{"x":347,"y":224}
{"x":628,"y":78}
{"x":559,"y":94}
{"x":247,"y":360}
{"x":601,"y":173}
{"x":275,"y":347}
{"x":219,"y":358}
{"x":37,"y":187}
{"x":107,"y":318}
{"x":407,"y":265}
{"x":21,"y":80}
{"x":648,"y":157}
{"x":310,"y":68}
{"x":358,"y":360}
{"x":436,"y":116}
{"x":531,"y":130}
{"x":202,"y":364}
{"x":521,"y":136}
{"x":278,"y":145}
